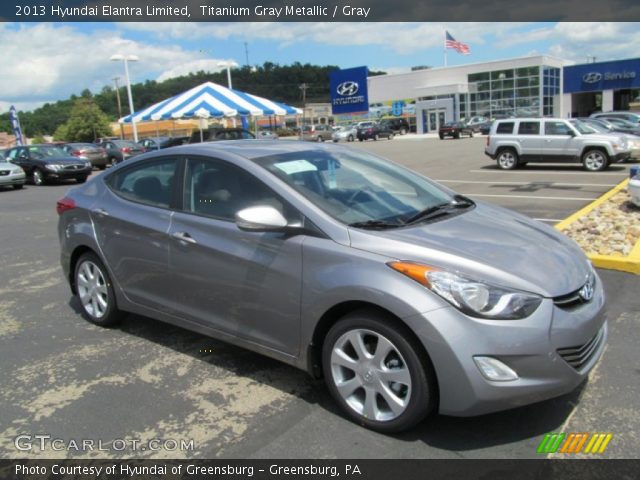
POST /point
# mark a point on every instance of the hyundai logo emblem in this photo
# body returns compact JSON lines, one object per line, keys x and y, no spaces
{"x":592,"y":77}
{"x":346,"y":89}
{"x":586,"y":292}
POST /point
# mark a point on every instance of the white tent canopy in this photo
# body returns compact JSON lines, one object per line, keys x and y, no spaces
{"x":210,"y":100}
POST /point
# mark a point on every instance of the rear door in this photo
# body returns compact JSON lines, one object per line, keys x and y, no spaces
{"x":530,"y":140}
{"x":132,"y":225}
{"x":247,"y":284}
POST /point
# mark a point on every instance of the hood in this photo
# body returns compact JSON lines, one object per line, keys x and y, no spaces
{"x":488,"y":243}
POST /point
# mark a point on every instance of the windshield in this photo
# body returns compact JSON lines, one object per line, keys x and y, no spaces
{"x":583,"y":127}
{"x":43,"y":152}
{"x":598,"y":127}
{"x":356,"y":187}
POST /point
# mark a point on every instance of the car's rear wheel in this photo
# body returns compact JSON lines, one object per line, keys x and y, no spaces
{"x":113,"y":161}
{"x":38,"y":177}
{"x":350,"y":138}
{"x":595,"y":160}
{"x":376,"y":137}
{"x":377,"y":373}
{"x":507,"y":159}
{"x":95,"y":291}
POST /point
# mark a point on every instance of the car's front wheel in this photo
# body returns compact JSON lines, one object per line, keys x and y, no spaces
{"x":95,"y":291}
{"x":38,"y":177}
{"x":507,"y":159}
{"x":81,"y":179}
{"x":377,"y":373}
{"x":350,"y":139}
{"x":390,"y":137}
{"x":595,"y":160}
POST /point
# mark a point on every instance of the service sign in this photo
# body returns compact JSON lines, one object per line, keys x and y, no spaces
{"x":594,"y":77}
{"x":349,"y":90}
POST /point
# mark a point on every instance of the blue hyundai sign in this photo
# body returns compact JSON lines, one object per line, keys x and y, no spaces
{"x":595,"y":77}
{"x":349,"y":90}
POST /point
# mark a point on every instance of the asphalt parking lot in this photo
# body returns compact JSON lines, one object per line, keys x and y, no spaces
{"x":146,"y":380}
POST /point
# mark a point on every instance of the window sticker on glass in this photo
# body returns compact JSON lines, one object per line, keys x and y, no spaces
{"x":295,"y":166}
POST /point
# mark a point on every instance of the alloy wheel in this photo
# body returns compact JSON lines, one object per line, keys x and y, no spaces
{"x":92,"y":289}
{"x":594,"y":161}
{"x":507,"y":160}
{"x":38,"y":178}
{"x":371,"y":375}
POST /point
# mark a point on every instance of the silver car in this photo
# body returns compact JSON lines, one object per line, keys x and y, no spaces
{"x":345,"y":134}
{"x":405,"y":296}
{"x":11,"y":174}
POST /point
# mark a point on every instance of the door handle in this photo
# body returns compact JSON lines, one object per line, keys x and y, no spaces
{"x":184,"y":237}
{"x":100,"y":211}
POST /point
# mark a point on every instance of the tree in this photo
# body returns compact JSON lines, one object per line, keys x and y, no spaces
{"x":86,"y":122}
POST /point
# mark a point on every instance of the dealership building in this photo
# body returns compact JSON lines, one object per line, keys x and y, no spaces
{"x":538,"y":85}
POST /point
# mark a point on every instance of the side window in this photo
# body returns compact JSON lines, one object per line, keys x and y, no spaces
{"x":505,"y":128}
{"x":218,"y":189}
{"x":529,"y":128}
{"x":150,"y":183}
{"x":556,"y":128}
{"x":13,"y":154}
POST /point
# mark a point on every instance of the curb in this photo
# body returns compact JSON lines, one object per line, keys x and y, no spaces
{"x":630,"y":263}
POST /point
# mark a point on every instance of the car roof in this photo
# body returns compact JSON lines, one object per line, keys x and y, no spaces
{"x":248,"y":149}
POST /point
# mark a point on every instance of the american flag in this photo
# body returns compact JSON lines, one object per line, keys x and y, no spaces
{"x":459,"y":47}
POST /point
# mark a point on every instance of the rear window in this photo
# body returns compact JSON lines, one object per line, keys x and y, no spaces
{"x":529,"y":128}
{"x":505,"y":127}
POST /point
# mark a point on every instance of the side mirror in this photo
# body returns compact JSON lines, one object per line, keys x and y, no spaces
{"x":263,"y":218}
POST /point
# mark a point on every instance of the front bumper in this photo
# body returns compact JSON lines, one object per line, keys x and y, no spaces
{"x":537,"y":348}
{"x":67,"y":174}
{"x":621,"y":157}
{"x":13,"y":179}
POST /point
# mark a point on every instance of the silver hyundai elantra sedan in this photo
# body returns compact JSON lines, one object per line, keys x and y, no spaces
{"x":406,"y":297}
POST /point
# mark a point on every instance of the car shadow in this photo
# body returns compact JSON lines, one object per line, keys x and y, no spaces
{"x":455,"y":434}
{"x":574,"y":167}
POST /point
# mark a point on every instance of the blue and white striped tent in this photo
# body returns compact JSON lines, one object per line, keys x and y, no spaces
{"x":210,"y":100}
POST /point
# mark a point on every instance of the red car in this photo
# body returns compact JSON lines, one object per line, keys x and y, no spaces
{"x":455,"y":130}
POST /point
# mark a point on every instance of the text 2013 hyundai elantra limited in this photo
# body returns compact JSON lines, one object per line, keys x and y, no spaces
{"x":405,"y":296}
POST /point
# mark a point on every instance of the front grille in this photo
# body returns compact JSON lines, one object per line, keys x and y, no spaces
{"x":579,"y":356}
{"x":577,"y":297}
{"x":73,"y":167}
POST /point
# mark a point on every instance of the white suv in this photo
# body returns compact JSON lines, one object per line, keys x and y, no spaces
{"x":514,"y":142}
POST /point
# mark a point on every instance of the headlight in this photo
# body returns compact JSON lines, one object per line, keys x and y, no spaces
{"x":54,"y":166}
{"x":472,"y":297}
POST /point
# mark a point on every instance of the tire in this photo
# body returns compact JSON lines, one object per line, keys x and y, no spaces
{"x":38,"y":177}
{"x":376,"y":137}
{"x":456,"y":135}
{"x":81,"y":179}
{"x":441,"y":136}
{"x":102,"y":167}
{"x":360,"y":139}
{"x":507,"y":159}
{"x":403,"y":131}
{"x":471,"y":134}
{"x":350,"y":138}
{"x":390,"y":137}
{"x":595,"y":160}
{"x":362,"y":393}
{"x":93,"y":283}
{"x":18,"y":186}
{"x":113,"y":161}
{"x":319,"y":139}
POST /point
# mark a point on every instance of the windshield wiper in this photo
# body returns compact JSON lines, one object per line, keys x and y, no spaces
{"x":459,"y":201}
{"x":375,"y":224}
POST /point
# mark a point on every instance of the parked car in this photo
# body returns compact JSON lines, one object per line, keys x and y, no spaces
{"x":379,"y":109}
{"x":95,"y":154}
{"x":345,"y":134}
{"x":476,"y":123}
{"x":623,"y":125}
{"x":45,"y":163}
{"x":601,"y":126}
{"x":373,"y":131}
{"x":317,"y":133}
{"x":120,"y":150}
{"x":340,"y":263}
{"x":485,"y":128}
{"x":216,"y":134}
{"x":158,"y":143}
{"x":267,"y":135}
{"x":455,"y":130}
{"x":397,"y":125}
{"x":517,"y":141}
{"x":11,"y":174}
{"x":629,"y":116}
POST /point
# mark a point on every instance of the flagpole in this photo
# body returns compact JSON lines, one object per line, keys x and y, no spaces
{"x":445,"y":48}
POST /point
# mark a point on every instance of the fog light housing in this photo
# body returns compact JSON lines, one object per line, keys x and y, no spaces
{"x":494,"y":370}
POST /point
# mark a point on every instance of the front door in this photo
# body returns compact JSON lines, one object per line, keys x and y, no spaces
{"x":246,"y":284}
{"x":559,"y":142}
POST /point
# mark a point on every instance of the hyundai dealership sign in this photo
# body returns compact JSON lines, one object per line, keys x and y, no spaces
{"x":593,"y":77}
{"x":349,"y":90}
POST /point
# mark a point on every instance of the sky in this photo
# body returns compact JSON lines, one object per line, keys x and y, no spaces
{"x":45,"y":62}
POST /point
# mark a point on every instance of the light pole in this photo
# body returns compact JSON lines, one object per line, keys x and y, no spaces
{"x":228,"y":65}
{"x":115,"y":79}
{"x":126,"y":59}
